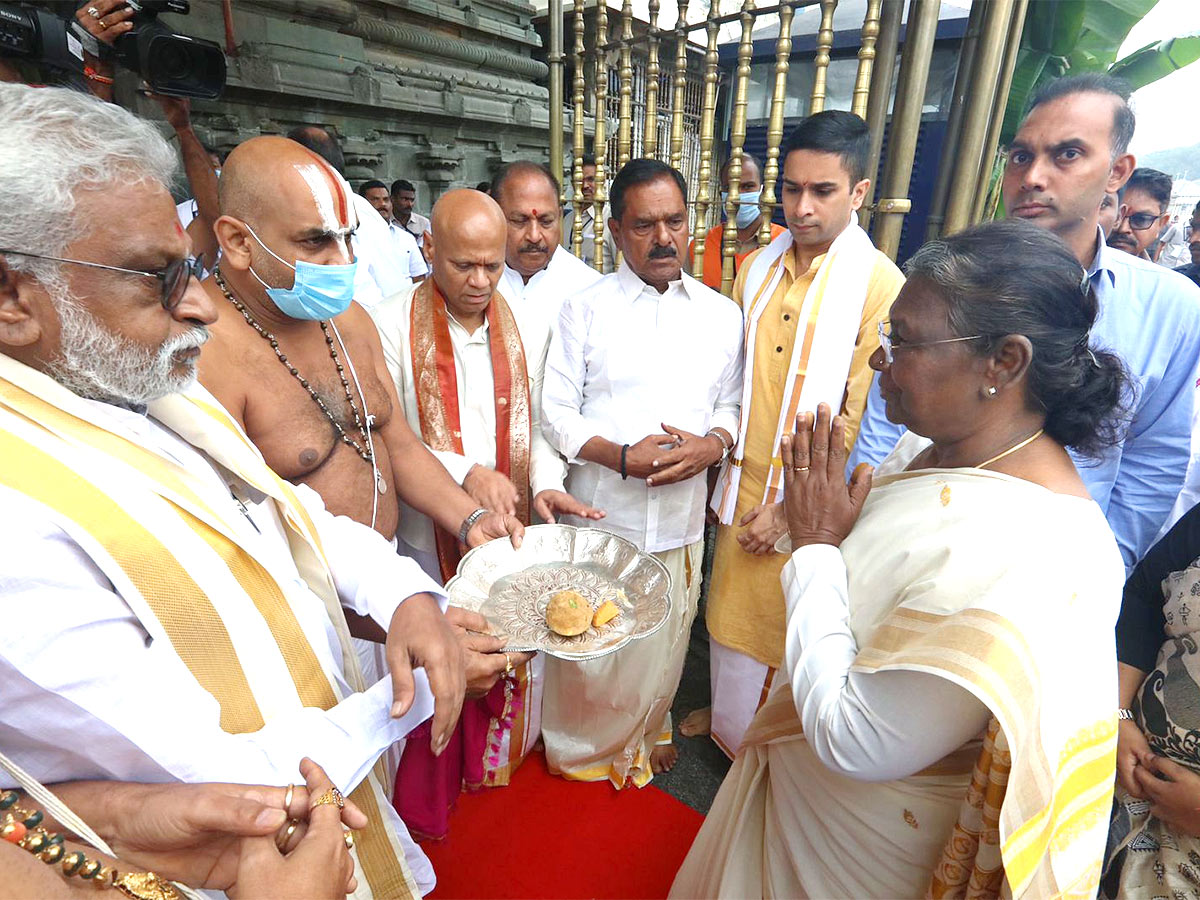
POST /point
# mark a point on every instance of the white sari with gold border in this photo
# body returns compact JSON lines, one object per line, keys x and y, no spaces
{"x":1007,"y":590}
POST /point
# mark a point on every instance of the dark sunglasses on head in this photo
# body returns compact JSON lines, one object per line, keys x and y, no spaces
{"x":173,"y":277}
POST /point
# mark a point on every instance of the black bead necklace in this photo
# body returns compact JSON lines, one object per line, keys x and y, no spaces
{"x":365,"y":450}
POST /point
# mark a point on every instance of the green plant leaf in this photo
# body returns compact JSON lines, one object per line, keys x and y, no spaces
{"x":1106,"y":24}
{"x":1157,"y":60}
{"x":1027,"y":77}
{"x":1053,"y":26}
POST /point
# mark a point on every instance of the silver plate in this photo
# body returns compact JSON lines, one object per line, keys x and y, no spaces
{"x":511,"y":588}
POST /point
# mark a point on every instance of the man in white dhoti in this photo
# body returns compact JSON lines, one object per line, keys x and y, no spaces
{"x":173,"y":609}
{"x":641,"y":395}
{"x":455,"y":351}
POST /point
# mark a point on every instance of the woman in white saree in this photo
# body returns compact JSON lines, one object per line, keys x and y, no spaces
{"x":947,"y":726}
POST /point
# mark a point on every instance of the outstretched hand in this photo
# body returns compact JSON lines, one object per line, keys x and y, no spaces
{"x":419,"y":636}
{"x":550,"y":504}
{"x":820,"y":506}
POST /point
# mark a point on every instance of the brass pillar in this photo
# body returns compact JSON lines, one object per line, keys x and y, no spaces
{"x":770,"y":172}
{"x":962,"y":81}
{"x":960,"y":198}
{"x":821,"y":61}
{"x":578,"y":86}
{"x":999,"y":103}
{"x":737,"y":140}
{"x":650,"y":128}
{"x":677,"y":101}
{"x":625,"y":116}
{"x":880,"y":95}
{"x":866,"y":58}
{"x":554,"y":58}
{"x":893,"y":202}
{"x":599,"y":135}
{"x":707,"y":113}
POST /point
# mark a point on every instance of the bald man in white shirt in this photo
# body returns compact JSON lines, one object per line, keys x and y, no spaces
{"x":641,"y":395}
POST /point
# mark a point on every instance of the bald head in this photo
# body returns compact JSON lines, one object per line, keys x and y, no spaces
{"x":281,"y":203}
{"x":466,"y":250}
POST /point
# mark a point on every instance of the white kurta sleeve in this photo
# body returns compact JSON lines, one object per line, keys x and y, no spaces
{"x":547,"y":470}
{"x":727,"y":410}
{"x":562,"y":386}
{"x":371,"y":577}
{"x":870,"y":726}
{"x":90,"y":694}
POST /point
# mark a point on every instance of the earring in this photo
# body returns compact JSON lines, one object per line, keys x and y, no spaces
{"x":991,"y":391}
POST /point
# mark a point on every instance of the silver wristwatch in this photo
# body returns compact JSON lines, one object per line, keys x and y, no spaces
{"x":1125,"y":714}
{"x":469,"y":523}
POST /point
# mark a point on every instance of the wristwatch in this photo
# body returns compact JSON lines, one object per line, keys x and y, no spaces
{"x":725,"y":448}
{"x":1125,"y":714}
{"x":469,"y":523}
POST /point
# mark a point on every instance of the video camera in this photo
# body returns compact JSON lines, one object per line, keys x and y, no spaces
{"x":170,"y":63}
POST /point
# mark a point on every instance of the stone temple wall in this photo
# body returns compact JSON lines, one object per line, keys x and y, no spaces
{"x":441,"y":92}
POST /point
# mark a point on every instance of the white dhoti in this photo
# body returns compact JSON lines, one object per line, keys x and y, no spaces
{"x":601,"y":718}
{"x":739,"y":687}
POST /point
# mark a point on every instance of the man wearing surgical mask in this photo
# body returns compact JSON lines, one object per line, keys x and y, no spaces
{"x":749,"y":221}
{"x":299,"y":364}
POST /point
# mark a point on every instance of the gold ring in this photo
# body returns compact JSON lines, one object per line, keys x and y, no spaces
{"x":287,"y":798}
{"x":800,"y":468}
{"x":348,"y":837}
{"x":281,"y":841}
{"x":331,"y":796}
{"x":508,"y":666}
{"x":102,"y":23}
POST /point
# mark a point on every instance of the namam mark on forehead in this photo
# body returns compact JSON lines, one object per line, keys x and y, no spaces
{"x":330,"y":193}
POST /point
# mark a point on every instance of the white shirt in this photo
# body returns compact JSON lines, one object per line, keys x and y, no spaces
{"x":536,"y":303}
{"x":408,"y":255}
{"x":625,"y":359}
{"x":89,"y":694}
{"x":380,"y":272}
{"x":588,"y":252}
{"x":476,"y":407}
{"x":417,"y":226}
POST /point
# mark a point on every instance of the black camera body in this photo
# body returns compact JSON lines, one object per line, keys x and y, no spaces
{"x":169,"y":62}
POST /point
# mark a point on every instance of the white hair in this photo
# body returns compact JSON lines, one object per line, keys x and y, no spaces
{"x":54,"y":142}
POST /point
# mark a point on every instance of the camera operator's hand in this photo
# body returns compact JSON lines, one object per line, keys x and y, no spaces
{"x":105,"y":20}
{"x":178,"y":110}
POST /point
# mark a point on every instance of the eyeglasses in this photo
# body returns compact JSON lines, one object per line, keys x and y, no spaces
{"x":889,"y":346}
{"x":174,"y":277}
{"x":1141,"y":221}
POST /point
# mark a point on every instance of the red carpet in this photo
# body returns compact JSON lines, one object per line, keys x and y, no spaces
{"x":546,"y":837}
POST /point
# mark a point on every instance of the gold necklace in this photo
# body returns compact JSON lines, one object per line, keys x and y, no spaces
{"x":1013,"y":449}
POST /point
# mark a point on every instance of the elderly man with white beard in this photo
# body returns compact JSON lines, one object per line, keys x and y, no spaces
{"x":171,"y":608}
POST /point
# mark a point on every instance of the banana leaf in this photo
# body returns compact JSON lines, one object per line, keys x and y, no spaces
{"x":1054,"y":26}
{"x":1106,"y":24}
{"x":1157,"y":60}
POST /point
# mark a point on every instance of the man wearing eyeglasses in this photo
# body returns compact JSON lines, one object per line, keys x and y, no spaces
{"x":1143,"y":212}
{"x":171,"y":608}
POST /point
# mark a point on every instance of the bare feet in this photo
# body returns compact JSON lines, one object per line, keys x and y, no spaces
{"x":663,"y":758}
{"x":697,"y":722}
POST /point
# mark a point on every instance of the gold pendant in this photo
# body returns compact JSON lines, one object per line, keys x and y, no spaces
{"x":146,"y":886}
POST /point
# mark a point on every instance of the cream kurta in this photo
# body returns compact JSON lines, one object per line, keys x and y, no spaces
{"x":745,"y":606}
{"x":973,"y":577}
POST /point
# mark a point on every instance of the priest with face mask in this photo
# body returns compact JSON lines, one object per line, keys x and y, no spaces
{"x":749,"y":221}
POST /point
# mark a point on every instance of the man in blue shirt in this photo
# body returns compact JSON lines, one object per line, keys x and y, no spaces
{"x":1071,"y":149}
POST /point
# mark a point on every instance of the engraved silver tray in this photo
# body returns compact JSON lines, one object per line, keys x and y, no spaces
{"x":511,"y":588}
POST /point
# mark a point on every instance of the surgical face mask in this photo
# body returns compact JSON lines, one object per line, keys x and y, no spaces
{"x":318,"y":292}
{"x":747,"y":210}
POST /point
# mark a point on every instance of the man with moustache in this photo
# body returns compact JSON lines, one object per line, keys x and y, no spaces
{"x":813,"y":300}
{"x":1144,"y":202}
{"x":406,"y":253}
{"x":171,"y":608}
{"x":641,"y":396}
{"x":455,"y":350}
{"x":538,"y":272}
{"x":1070,"y":149}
